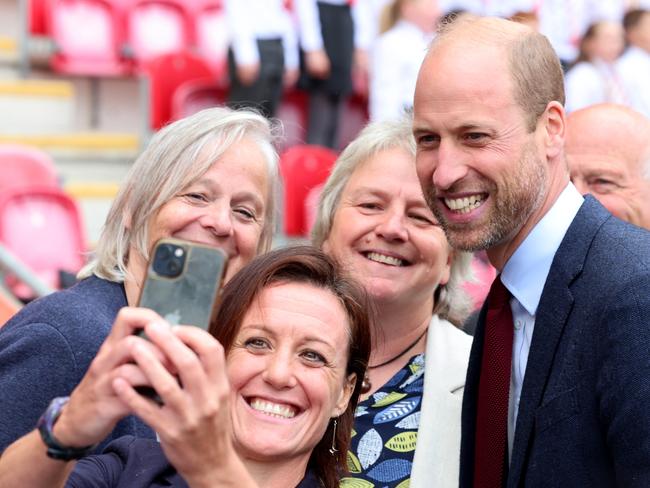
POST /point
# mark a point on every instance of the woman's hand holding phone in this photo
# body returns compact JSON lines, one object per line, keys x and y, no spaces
{"x":193,"y":422}
{"x":94,"y":408}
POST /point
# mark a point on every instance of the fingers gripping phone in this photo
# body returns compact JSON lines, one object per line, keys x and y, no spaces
{"x":182,"y":285}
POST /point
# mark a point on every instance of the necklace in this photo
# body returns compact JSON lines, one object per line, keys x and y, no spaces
{"x":366,"y":386}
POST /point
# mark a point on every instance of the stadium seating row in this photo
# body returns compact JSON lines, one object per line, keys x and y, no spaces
{"x":118,"y":37}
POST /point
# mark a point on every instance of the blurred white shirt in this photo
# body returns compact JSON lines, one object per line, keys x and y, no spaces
{"x":634,"y":70}
{"x":395,"y":62}
{"x":249,"y":20}
{"x":588,"y":83}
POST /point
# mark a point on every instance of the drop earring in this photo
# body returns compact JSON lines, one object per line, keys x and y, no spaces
{"x":333,"y":449}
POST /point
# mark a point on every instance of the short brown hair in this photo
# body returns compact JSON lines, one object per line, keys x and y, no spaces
{"x":633,"y":18}
{"x":534,"y":67}
{"x":305,"y":264}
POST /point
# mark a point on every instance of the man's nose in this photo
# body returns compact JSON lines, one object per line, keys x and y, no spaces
{"x":450,"y":165}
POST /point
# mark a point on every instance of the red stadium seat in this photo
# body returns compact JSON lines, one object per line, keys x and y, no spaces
{"x":157,"y":27}
{"x":195,"y":95}
{"x":302,"y":168}
{"x":166,"y":74}
{"x":38,"y":17}
{"x":42,"y":227}
{"x":88,"y":38}
{"x":24,"y":166}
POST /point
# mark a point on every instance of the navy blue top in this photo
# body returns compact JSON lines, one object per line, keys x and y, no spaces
{"x":47,"y":347}
{"x":136,"y":463}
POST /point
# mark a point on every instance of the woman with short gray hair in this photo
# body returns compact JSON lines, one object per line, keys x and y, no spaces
{"x":209,"y":178}
{"x":373,"y":218}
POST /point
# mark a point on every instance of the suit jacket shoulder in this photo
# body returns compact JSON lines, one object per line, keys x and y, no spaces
{"x":586,"y":390}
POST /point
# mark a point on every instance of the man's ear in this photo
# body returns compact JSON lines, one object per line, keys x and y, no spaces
{"x":554,"y":129}
{"x":346,"y":394}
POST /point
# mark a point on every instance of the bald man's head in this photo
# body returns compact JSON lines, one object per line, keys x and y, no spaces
{"x":608,"y":151}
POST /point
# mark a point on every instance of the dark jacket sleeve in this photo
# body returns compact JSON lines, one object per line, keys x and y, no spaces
{"x":623,"y":384}
{"x":36,"y":365}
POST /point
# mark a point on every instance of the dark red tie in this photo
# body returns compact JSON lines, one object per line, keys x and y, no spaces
{"x":491,"y":451}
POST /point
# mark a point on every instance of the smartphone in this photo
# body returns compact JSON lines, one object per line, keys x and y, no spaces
{"x":183,"y":281}
{"x":182,"y":285}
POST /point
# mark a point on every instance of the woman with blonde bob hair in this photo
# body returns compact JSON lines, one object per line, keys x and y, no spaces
{"x":209,"y":178}
{"x":373,"y":218}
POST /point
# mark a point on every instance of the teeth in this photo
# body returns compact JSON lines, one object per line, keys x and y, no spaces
{"x":273,"y":409}
{"x":464,"y":205}
{"x":381,"y":258}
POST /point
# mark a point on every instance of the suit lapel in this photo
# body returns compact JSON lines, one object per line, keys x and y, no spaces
{"x":551,"y":317}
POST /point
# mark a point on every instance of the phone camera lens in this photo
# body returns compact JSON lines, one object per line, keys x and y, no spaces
{"x":169,"y":260}
{"x":173,"y":267}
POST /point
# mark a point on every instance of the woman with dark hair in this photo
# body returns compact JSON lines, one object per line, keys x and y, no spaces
{"x":593,"y":78}
{"x":267,"y":399}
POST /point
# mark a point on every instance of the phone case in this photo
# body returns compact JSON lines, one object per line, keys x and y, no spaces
{"x":190,"y":297}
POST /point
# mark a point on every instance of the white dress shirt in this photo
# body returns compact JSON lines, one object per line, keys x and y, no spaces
{"x":395,"y":61}
{"x":524,"y":275}
{"x":247,"y":25}
{"x":634,"y":71}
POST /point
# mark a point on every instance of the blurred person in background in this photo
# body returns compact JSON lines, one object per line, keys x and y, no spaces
{"x":634,"y":65}
{"x":408,"y":28}
{"x":608,"y":151}
{"x":263,"y":55}
{"x":593,"y":77}
{"x":327,"y":41}
{"x":565,"y":23}
{"x":367,"y":19}
{"x":266,"y":399}
{"x":372,"y":217}
{"x":209,"y":178}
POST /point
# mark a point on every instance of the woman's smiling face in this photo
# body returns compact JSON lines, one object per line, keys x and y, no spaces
{"x":287,"y":369}
{"x":384,"y":233}
{"x":224,"y":208}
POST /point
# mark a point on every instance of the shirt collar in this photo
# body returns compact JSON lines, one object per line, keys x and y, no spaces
{"x":525,"y":273}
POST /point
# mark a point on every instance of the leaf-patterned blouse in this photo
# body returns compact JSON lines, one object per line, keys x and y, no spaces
{"x":386,"y":430}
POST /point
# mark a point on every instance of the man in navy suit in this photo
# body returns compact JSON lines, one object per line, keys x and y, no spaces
{"x":489,"y":124}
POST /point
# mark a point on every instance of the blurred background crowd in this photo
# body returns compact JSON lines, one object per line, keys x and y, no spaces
{"x":83,"y":84}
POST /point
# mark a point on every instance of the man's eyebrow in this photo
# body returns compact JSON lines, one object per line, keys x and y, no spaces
{"x":422,"y":130}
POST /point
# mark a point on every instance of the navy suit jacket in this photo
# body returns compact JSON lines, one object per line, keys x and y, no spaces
{"x":584,"y":412}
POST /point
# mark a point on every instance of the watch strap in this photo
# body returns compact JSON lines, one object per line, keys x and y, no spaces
{"x":55,"y":449}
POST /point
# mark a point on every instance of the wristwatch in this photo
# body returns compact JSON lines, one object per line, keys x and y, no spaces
{"x":55,"y":449}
